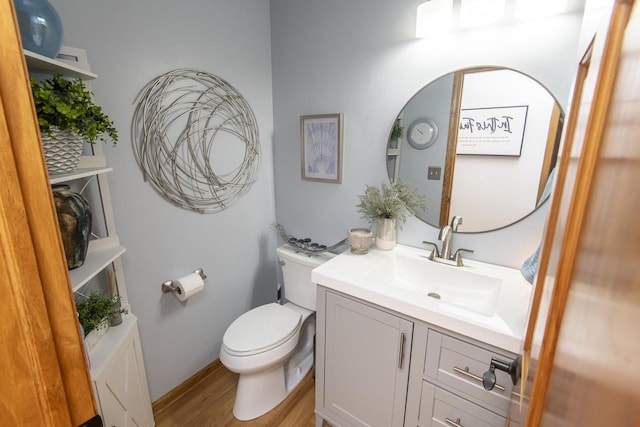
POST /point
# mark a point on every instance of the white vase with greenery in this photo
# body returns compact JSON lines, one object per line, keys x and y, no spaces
{"x":67,"y":118}
{"x":387,"y":207}
{"x":386,"y":233}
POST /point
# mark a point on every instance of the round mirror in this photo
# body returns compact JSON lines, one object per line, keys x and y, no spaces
{"x":480,"y":143}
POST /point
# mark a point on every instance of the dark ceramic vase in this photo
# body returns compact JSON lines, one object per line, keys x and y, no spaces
{"x":40,"y":26}
{"x":74,"y":219}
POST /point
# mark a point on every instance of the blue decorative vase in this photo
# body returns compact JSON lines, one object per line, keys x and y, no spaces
{"x":40,"y":26}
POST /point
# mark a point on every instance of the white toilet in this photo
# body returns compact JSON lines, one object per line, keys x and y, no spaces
{"x":271,"y":346}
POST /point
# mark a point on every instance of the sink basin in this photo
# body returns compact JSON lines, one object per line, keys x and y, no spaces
{"x":457,"y":286}
{"x":484,"y":301}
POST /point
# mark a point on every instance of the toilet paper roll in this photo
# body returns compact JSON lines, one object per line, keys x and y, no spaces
{"x":188,"y":286}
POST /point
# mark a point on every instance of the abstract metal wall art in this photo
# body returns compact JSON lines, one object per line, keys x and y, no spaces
{"x":183,"y":120}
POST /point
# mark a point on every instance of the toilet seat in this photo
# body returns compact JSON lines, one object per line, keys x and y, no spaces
{"x":261,"y":329}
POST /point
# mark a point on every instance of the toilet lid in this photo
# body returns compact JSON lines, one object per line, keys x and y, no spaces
{"x":261,"y":329}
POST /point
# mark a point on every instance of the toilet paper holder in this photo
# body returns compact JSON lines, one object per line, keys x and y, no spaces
{"x":169,"y":286}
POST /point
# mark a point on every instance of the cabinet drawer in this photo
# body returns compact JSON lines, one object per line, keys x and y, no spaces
{"x":459,"y":366}
{"x":441,"y":408}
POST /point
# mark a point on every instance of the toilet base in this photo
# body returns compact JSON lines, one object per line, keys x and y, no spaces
{"x":259,"y":393}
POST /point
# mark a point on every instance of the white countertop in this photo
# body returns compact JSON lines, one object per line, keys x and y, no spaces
{"x":347,"y":273}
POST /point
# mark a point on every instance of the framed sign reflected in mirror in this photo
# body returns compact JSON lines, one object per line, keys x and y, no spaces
{"x":492,"y":131}
{"x":321,"y":147}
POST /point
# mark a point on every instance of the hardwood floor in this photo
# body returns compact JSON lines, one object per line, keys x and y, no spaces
{"x":209,"y":402}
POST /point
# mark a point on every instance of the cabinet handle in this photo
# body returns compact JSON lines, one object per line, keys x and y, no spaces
{"x":466,"y":372}
{"x":401,"y":358}
{"x":455,"y":423}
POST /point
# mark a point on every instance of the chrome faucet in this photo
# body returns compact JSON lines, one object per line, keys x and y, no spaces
{"x":445,"y":236}
{"x":446,"y":233}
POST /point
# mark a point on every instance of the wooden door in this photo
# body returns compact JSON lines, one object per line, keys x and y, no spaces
{"x":588,"y":369}
{"x":45,"y":380}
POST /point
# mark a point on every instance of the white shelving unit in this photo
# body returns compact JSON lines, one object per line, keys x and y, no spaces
{"x":117,"y":366}
{"x":74,"y":63}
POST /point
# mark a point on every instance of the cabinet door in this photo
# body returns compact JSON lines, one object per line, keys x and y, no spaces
{"x":366,"y":363}
{"x":123,"y":401}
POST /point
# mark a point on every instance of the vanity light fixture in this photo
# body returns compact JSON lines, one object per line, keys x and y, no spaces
{"x":475,"y":13}
{"x":532,"y":9}
{"x":437,"y":17}
{"x":433,"y":17}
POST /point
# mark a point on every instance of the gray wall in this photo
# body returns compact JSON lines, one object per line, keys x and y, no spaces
{"x":360,"y":58}
{"x":128,"y":44}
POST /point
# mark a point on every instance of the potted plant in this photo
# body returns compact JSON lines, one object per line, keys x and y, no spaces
{"x":397,"y":132}
{"x":94,"y":314}
{"x":67,"y":117}
{"x":387,"y":207}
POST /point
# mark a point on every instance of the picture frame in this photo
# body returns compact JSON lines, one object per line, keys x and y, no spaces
{"x":492,"y":131}
{"x":321,"y":147}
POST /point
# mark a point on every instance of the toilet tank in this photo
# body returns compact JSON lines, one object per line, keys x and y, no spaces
{"x":296,"y":272}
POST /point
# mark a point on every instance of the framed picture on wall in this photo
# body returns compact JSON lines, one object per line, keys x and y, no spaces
{"x":492,"y":131}
{"x":321,"y":147}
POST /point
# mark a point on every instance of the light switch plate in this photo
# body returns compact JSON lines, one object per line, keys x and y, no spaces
{"x":433,"y":172}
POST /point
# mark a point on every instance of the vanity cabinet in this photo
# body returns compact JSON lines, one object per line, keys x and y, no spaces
{"x":446,"y":381}
{"x":116,"y":363}
{"x":362,"y":369}
{"x":367,"y":374}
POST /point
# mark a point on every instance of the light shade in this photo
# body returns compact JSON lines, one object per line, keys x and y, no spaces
{"x":531,"y":9}
{"x":474,"y":13}
{"x":433,"y":17}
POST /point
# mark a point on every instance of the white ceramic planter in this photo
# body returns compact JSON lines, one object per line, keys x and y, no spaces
{"x":386,"y":234}
{"x":62,"y":150}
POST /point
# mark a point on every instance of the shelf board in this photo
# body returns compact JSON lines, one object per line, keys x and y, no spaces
{"x":101,"y":253}
{"x":43,"y":64}
{"x":77,"y":174}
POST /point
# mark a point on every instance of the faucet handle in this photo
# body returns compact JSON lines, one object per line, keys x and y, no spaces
{"x":458,"y":257}
{"x":455,"y":222}
{"x":434,"y":253}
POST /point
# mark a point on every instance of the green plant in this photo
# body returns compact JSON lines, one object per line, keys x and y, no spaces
{"x":397,"y":131}
{"x":393,"y":201}
{"x":94,"y":309}
{"x":67,"y":105}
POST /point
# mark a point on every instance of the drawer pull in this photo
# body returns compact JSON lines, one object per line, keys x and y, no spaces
{"x":466,"y":372}
{"x":455,"y":423}
{"x":401,"y":355}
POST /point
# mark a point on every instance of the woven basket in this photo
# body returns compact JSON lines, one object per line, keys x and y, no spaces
{"x":62,"y":150}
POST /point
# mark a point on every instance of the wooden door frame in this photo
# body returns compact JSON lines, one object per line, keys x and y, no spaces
{"x":580,"y":196}
{"x":49,"y":381}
